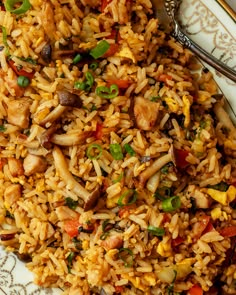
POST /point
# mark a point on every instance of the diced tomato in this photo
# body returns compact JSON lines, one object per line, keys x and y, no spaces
{"x":180,"y":158}
{"x":98,"y":132}
{"x":208,"y":228}
{"x":20,"y":72}
{"x":195,"y":290}
{"x":119,"y":289}
{"x":112,"y":50}
{"x":123,"y":84}
{"x":104,"y":4}
{"x":228,"y":232}
{"x":176,"y":242}
{"x":71,"y":227}
{"x":164,"y":78}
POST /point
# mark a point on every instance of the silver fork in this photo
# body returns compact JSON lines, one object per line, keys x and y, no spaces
{"x":166,"y":11}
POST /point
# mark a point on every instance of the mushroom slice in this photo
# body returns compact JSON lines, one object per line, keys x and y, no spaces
{"x":71,"y":139}
{"x":145,"y":113}
{"x":153,"y":168}
{"x":53,"y":115}
{"x":69,"y":99}
{"x":89,"y":198}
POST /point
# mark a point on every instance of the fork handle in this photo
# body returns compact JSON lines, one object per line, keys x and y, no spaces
{"x":203,"y":54}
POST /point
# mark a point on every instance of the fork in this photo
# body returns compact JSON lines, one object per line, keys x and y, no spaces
{"x":166,"y":11}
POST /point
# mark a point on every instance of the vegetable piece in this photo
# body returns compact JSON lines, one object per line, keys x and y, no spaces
{"x":107,"y":92}
{"x":162,"y":193}
{"x":126,"y":255}
{"x":156,"y":231}
{"x":176,"y":242}
{"x":71,"y":227}
{"x":222,"y":186}
{"x":171,"y":204}
{"x":123,"y":84}
{"x":180,"y":158}
{"x":93,"y":66}
{"x":87,"y":84}
{"x":131,"y":195}
{"x":118,"y":179}
{"x":72,"y":204}
{"x":98,"y":133}
{"x":91,"y":154}
{"x":19,"y":71}
{"x":46,"y":53}
{"x":77,"y":58}
{"x":164,"y":78}
{"x":129,"y":149}
{"x":112,"y":50}
{"x":228,"y":232}
{"x":23,"y":81}
{"x":116,"y":151}
{"x":2,"y":128}
{"x":67,"y":98}
{"x":25,"y":6}
{"x":195,"y":290}
{"x":100,"y":49}
{"x":70,"y":258}
{"x":200,"y":226}
{"x":4,"y":39}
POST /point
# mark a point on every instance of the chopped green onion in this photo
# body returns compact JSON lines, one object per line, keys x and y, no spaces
{"x":80,"y":85}
{"x":131,"y":195}
{"x":116,"y":151}
{"x":156,"y":231}
{"x":155,"y":98}
{"x":2,"y":128}
{"x":93,"y":66}
{"x":104,"y":224}
{"x":107,"y":92}
{"x":72,"y":204}
{"x":222,"y":186}
{"x":171,"y":204}
{"x":129,"y":149}
{"x":30,"y":60}
{"x":77,"y":58}
{"x":4,"y":39}
{"x":104,"y":235}
{"x":162,"y":193}
{"x":70,"y":258}
{"x":25,"y":6}
{"x":23,"y":81}
{"x":100,"y":49}
{"x":91,"y":154}
{"x":126,"y":255}
{"x":118,"y":179}
{"x":87,"y":84}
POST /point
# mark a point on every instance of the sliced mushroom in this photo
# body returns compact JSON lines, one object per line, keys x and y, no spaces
{"x":46,"y":53}
{"x":53,"y":115}
{"x":145,"y":113}
{"x":46,"y":136}
{"x":155,"y":166}
{"x":71,"y":139}
{"x":89,"y":198}
{"x":67,"y":98}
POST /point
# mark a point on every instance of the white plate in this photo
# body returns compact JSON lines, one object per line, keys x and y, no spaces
{"x":207,"y":23}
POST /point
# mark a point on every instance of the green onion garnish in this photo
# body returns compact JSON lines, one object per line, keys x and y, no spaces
{"x":70,"y":258}
{"x":118,"y":179}
{"x":129,"y":149}
{"x":156,"y":231}
{"x":116,"y":151}
{"x":131,"y":195}
{"x":107,"y":92}
{"x":87,"y":84}
{"x":91,"y":153}
{"x":100,"y":49}
{"x":72,"y":204}
{"x":2,"y":128}
{"x":77,"y":58}
{"x":23,"y":81}
{"x":10,"y":6}
{"x":126,"y":255}
{"x":80,"y":85}
{"x":162,"y":193}
{"x":171,"y":204}
{"x":4,"y":39}
{"x":93,"y":66}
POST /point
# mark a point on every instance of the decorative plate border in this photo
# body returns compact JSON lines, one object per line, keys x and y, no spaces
{"x":202,"y":20}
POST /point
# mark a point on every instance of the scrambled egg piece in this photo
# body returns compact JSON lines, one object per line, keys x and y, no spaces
{"x":203,"y":96}
{"x":136,"y":281}
{"x":126,"y":53}
{"x":186,"y":110}
{"x":164,"y":248}
{"x":172,"y":104}
{"x":223,"y":197}
{"x":216,"y":213}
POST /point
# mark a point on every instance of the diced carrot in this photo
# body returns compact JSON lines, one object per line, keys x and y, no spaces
{"x":164,"y":78}
{"x":98,"y":132}
{"x":123,"y":84}
{"x":71,"y":227}
{"x":228,"y":232}
{"x":112,"y":50}
{"x":195,"y":290}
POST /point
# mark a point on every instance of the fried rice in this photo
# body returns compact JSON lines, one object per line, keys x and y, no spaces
{"x":117,"y":157}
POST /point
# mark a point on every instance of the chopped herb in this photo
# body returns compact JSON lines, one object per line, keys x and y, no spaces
{"x":29,"y":60}
{"x":94,"y":151}
{"x":77,"y":58}
{"x":127,"y":256}
{"x":116,"y":151}
{"x":24,"y":7}
{"x":155,"y":98}
{"x":78,"y":244}
{"x":162,"y":193}
{"x":129,"y":149}
{"x":72,"y":204}
{"x":118,"y":179}
{"x":156,"y":231}
{"x":129,"y":196}
{"x":2,"y":128}
{"x":171,"y":204}
{"x":107,"y":92}
{"x":4,"y":39}
{"x":93,"y":66}
{"x":87,"y":84}
{"x":93,"y":108}
{"x":222,"y":186}
{"x":100,"y":49}
{"x":70,"y":258}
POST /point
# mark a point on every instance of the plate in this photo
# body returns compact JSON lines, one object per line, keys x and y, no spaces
{"x":212,"y":27}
